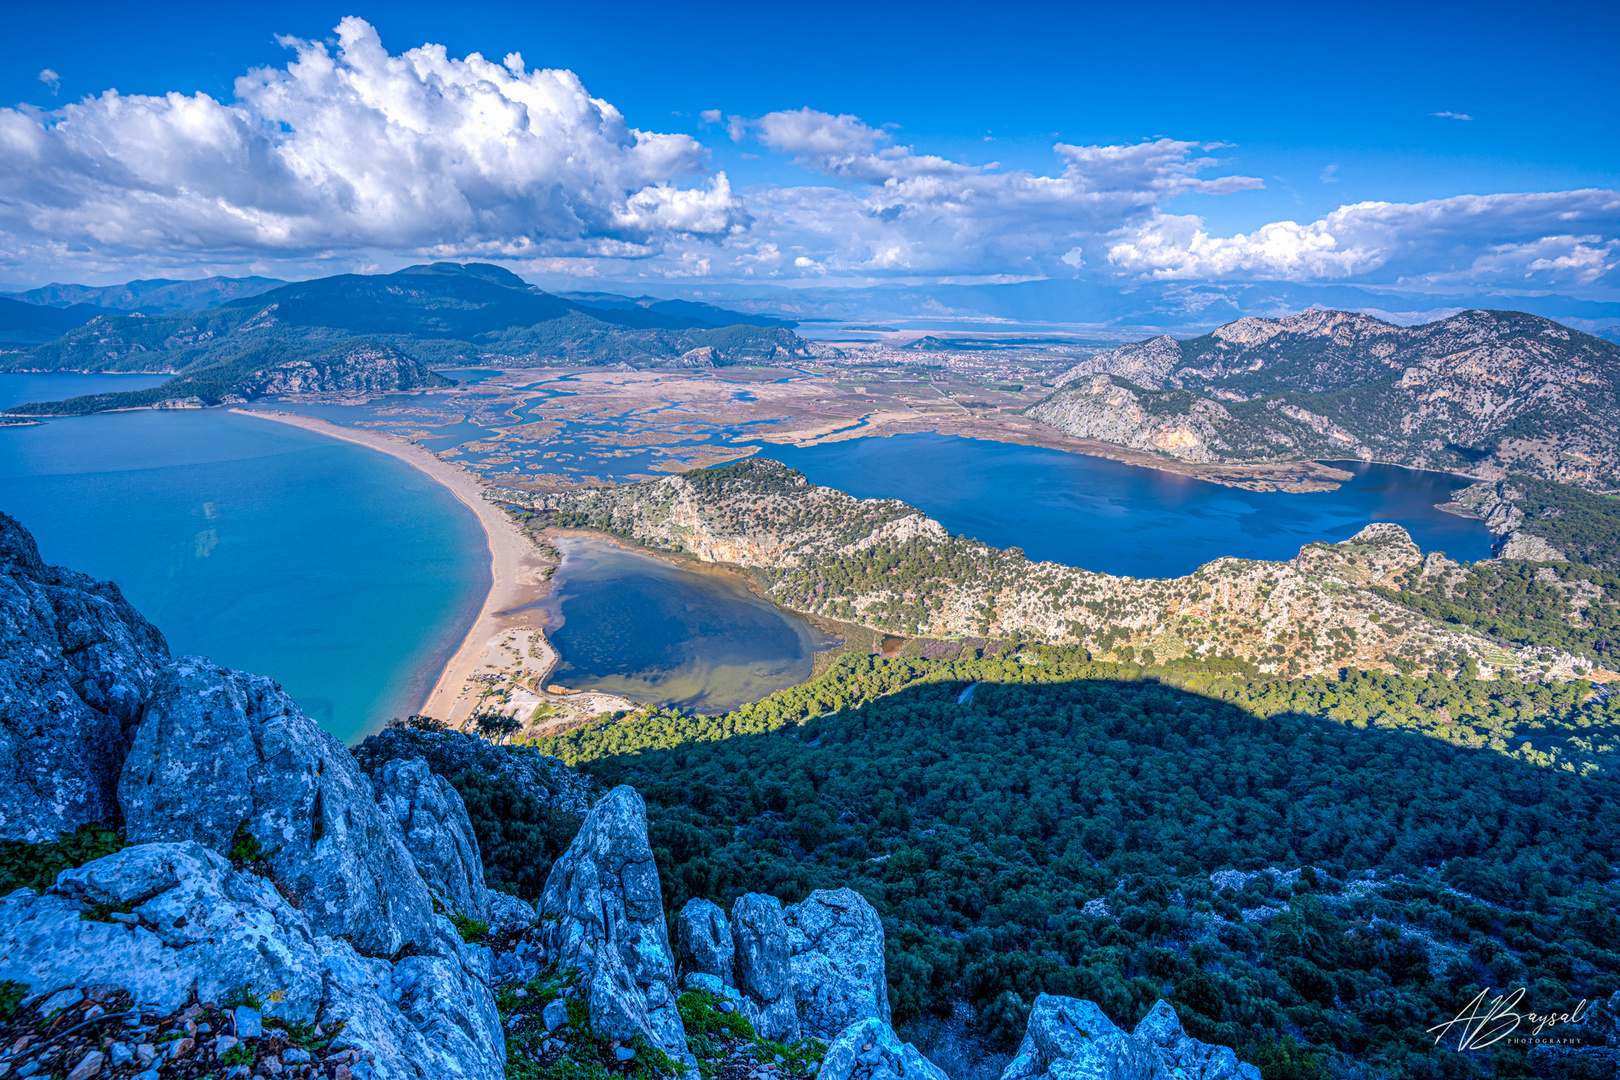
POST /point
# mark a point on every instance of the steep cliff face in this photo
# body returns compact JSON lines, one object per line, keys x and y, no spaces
{"x":361,"y":368}
{"x":885,"y":565}
{"x":260,"y":864}
{"x":1489,"y":391}
{"x":77,"y":665}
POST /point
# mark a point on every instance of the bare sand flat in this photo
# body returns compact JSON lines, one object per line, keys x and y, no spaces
{"x":517,"y":569}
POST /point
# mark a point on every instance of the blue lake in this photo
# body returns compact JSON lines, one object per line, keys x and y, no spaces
{"x":656,"y":632}
{"x":1123,"y":519}
{"x":342,"y":573}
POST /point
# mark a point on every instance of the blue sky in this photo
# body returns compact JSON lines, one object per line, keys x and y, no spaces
{"x":1296,"y":110}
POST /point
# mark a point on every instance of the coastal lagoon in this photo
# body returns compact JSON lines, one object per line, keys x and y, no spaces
{"x":350,"y":577}
{"x":1102,"y":515}
{"x":652,"y":631}
{"x":347,"y":576}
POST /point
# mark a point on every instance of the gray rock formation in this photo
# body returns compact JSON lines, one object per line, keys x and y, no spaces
{"x":602,"y":912}
{"x":76,"y":663}
{"x":763,"y":962}
{"x":195,"y":926}
{"x":220,"y":751}
{"x":361,"y":367}
{"x":870,"y":1050}
{"x":507,"y":913}
{"x":703,"y":941}
{"x":438,"y":835}
{"x":1067,"y":1037}
{"x":837,"y":970}
{"x":539,"y":777}
{"x":1183,"y":1055}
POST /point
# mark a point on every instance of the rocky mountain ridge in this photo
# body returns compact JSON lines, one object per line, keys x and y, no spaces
{"x":355,"y":369}
{"x":277,"y":911}
{"x":1488,"y":392}
{"x":440,"y":314}
{"x":883,"y":564}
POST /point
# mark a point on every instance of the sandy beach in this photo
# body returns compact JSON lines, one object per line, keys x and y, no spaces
{"x":517,"y":578}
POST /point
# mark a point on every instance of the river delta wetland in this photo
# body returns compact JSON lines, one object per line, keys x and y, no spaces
{"x":574,"y":625}
{"x":577,"y":624}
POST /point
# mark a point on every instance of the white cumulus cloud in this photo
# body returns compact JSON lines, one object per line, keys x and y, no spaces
{"x":1532,"y":238}
{"x":352,"y":149}
{"x":900,"y":212}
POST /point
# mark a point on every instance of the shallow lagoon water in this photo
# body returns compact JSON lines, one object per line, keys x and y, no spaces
{"x":1124,"y":519}
{"x":633,"y":625}
{"x":345,"y":575}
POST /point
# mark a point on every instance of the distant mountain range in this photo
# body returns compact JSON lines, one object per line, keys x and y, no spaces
{"x":439,"y":315}
{"x":152,"y":295}
{"x":1493,"y":392}
{"x":1115,"y":311}
{"x":682,"y":309}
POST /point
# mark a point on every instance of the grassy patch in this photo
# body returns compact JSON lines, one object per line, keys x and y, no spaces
{"x":35,"y":866}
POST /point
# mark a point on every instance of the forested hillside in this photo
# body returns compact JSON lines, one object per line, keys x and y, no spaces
{"x":1315,"y":871}
{"x":442,"y":314}
{"x":883,"y":564}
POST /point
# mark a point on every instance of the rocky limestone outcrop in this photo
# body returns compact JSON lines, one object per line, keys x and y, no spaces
{"x":221,"y":754}
{"x":437,"y":833}
{"x":870,"y":1050}
{"x":76,"y":665}
{"x":602,"y":913}
{"x":1068,"y":1038}
{"x":764,"y":958}
{"x":837,"y":965}
{"x":1496,"y":503}
{"x":169,"y":922}
{"x":703,"y":943}
{"x":361,"y":367}
{"x":1490,"y":392}
{"x":448,"y":753}
{"x":325,"y":916}
{"x":1098,"y":407}
{"x":1294,"y":618}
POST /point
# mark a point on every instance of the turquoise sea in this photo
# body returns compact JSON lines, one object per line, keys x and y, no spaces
{"x":342,"y":573}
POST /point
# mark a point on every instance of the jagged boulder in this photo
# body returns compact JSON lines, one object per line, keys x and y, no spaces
{"x":1067,"y":1037}
{"x":602,"y":913}
{"x":535,"y":775}
{"x":837,"y":969}
{"x":437,"y":833}
{"x":870,"y":1050}
{"x":763,"y":964}
{"x":188,"y":924}
{"x":76,"y":664}
{"x":1183,"y":1055}
{"x":703,"y":940}
{"x":507,"y":913}
{"x":221,"y":754}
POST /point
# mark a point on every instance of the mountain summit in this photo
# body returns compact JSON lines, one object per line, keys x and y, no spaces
{"x":1491,"y":391}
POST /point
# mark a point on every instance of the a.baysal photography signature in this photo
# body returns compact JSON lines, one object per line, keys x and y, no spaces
{"x":1488,"y":1020}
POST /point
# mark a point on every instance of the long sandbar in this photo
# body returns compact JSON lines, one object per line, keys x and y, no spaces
{"x":517,"y":570}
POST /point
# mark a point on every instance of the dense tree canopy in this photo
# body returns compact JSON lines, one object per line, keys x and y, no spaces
{"x":1311,"y":871}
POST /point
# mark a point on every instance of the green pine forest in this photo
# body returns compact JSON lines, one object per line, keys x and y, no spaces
{"x":1313,"y":871}
{"x":1058,"y":831}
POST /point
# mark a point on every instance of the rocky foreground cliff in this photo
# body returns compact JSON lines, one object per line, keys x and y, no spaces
{"x":267,"y":903}
{"x":1488,"y":392}
{"x":883,"y":564}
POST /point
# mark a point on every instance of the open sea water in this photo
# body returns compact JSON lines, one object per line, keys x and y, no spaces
{"x":342,"y":573}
